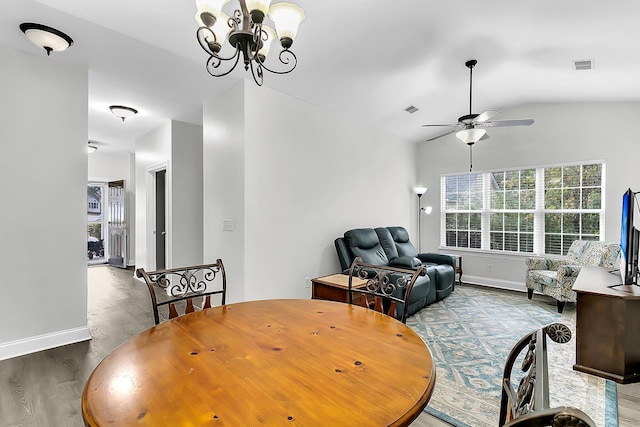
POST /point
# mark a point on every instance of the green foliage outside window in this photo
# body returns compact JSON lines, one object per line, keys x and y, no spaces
{"x":570,"y":208}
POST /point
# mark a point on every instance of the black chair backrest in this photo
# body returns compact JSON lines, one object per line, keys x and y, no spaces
{"x":528,"y":406}
{"x":181,"y":285}
{"x":384,"y":287}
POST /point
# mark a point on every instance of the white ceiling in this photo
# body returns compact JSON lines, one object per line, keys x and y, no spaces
{"x":363,"y":61}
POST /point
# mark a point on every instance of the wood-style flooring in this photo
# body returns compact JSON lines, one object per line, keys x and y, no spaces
{"x":45,"y":388}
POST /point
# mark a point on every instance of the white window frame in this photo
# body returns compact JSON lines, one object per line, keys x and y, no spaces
{"x":539,"y":211}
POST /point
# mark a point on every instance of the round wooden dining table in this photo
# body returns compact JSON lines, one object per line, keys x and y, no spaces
{"x":269,"y":362}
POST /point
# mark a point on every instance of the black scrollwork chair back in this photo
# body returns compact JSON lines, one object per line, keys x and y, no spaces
{"x":386,"y":289}
{"x":528,"y":405}
{"x":185,"y":288}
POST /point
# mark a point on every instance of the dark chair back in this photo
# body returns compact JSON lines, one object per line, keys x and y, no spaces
{"x":385,"y":289}
{"x":528,"y":405}
{"x":177,"y":287}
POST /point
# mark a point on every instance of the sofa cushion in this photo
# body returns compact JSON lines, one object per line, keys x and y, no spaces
{"x":387,"y":242}
{"x":405,"y":262}
{"x":403,"y":244}
{"x":364,"y":243}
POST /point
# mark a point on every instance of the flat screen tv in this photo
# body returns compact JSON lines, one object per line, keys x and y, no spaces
{"x":629,"y":239}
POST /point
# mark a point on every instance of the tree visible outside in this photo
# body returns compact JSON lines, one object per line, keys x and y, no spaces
{"x":572,"y":208}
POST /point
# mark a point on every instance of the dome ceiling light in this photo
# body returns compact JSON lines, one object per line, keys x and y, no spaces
{"x":123,"y":112}
{"x":46,"y":37}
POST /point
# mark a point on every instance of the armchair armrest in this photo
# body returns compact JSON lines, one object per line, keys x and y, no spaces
{"x":438,"y":259}
{"x":567,"y":275}
{"x":540,"y":263}
{"x":406,"y":262}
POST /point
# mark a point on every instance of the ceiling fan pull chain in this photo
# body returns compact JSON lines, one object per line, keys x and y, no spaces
{"x":470,"y":157}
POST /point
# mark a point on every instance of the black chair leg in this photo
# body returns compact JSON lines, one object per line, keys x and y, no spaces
{"x":529,"y":293}
{"x":560,"y":305}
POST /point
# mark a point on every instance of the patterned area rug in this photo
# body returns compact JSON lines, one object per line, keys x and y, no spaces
{"x":470,"y":335}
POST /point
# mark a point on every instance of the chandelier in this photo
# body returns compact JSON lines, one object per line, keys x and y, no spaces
{"x":247,"y":34}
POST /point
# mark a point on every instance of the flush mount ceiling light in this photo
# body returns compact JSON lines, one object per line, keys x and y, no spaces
{"x":247,"y":35}
{"x":123,"y":112}
{"x":46,"y":37}
{"x":91,"y":148}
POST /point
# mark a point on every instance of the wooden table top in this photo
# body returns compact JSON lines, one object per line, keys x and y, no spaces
{"x":340,"y":281}
{"x":272,"y":362}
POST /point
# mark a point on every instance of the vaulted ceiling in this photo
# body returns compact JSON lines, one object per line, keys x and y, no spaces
{"x":364,"y":60}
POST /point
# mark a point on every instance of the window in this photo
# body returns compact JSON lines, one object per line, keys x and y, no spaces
{"x":532,"y":210}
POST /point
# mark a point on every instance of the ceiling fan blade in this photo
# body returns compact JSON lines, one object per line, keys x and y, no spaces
{"x":442,"y":134}
{"x":501,"y":123}
{"x":450,"y":125}
{"x":486,"y":116}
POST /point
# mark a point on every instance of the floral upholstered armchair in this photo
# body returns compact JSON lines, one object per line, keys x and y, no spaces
{"x":555,"y":276}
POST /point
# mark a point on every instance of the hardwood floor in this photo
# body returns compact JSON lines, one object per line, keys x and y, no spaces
{"x":44,"y":389}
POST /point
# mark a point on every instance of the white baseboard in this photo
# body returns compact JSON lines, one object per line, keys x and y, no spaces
{"x":494,"y":283}
{"x":43,"y":342}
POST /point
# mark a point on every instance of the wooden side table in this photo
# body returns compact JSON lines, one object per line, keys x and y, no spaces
{"x":334,"y":287}
{"x":458,"y":270}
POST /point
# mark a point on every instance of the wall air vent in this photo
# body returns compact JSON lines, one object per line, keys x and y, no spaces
{"x":583,"y":64}
{"x":411,"y":109}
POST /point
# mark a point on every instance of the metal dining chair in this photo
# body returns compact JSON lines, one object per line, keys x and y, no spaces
{"x":176,"y":288}
{"x":387,"y":289}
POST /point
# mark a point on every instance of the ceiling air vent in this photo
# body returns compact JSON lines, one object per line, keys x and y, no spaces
{"x":584,"y":64}
{"x":411,"y":109}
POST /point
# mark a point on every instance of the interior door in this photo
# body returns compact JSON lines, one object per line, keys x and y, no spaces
{"x":117,"y":224}
{"x":160,"y":231}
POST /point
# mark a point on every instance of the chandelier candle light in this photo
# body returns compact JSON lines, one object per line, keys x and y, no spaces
{"x":247,"y":34}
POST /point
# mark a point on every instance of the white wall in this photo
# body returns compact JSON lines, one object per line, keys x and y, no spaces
{"x":186,"y":211}
{"x":224,"y":184}
{"x":152,"y":149}
{"x":43,"y":177}
{"x":293,"y":177}
{"x":105,"y":167}
{"x":570,"y":132}
{"x":177,"y":147}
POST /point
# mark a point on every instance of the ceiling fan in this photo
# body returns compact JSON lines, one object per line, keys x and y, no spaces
{"x":471,"y":127}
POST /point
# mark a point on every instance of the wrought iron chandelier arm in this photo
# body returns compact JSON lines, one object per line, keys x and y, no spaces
{"x":283,"y":60}
{"x":214,"y":62}
{"x":258,"y":75}
{"x":201,"y":36}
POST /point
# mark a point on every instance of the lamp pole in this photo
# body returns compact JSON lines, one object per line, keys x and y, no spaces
{"x":419,"y":192}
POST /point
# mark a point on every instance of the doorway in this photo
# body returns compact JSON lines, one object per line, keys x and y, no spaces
{"x":96,"y":222}
{"x":161,"y":219}
{"x":158,"y":216}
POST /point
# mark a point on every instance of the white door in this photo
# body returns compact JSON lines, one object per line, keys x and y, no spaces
{"x":117,"y":244}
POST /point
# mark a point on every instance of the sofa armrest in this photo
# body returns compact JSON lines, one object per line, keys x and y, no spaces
{"x":406,"y":262}
{"x":438,"y":259}
{"x":344,"y":255}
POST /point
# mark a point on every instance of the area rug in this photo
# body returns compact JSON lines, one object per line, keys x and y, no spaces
{"x":470,"y":335}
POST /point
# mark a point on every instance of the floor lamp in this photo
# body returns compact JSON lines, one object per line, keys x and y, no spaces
{"x":419,"y":192}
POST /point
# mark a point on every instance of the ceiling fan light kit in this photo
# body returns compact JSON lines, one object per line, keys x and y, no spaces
{"x":247,"y":34}
{"x":472,"y":126}
{"x":470,"y":136}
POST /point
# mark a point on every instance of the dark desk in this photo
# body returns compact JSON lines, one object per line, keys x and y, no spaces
{"x":607,"y":326}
